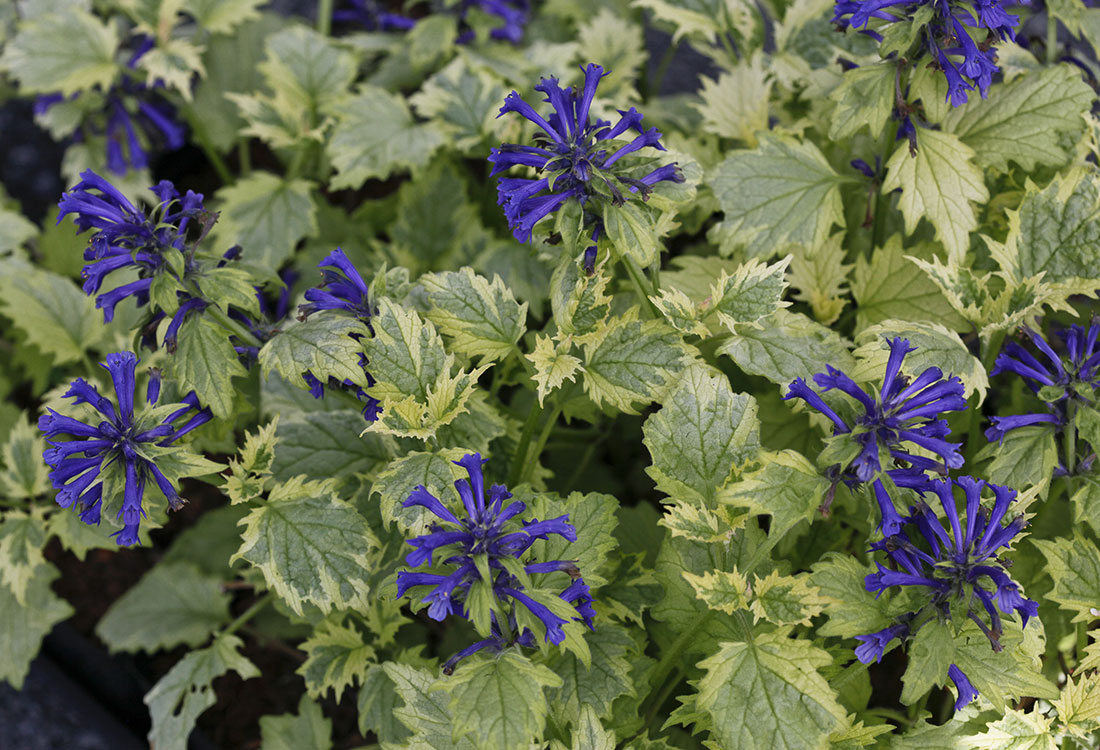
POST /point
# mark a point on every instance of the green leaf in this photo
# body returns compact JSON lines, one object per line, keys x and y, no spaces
{"x":307,"y":729}
{"x":1074,"y":565}
{"x":632,"y":231}
{"x":1025,"y":121}
{"x":701,"y":435}
{"x":482,"y":317}
{"x":173,"y":603}
{"x":24,"y":475}
{"x":938,"y":184}
{"x":178,"y":699}
{"x":865,"y":97}
{"x":723,"y":590}
{"x":206,"y":362}
{"x":580,"y":302}
{"x":323,"y":344}
{"x":1015,"y":731}
{"x":500,"y":702}
{"x":552,"y":365}
{"x":375,"y":135}
{"x":425,"y":710}
{"x":1079,"y":705}
{"x":436,"y":471}
{"x":787,"y":487}
{"x":736,"y":104}
{"x":435,"y":220}
{"x":630,"y":362}
{"x":22,"y":537}
{"x":893,"y":286}
{"x":378,"y":704}
{"x":328,"y":445}
{"x":1024,"y":457}
{"x":821,"y":276}
{"x":310,"y":545}
{"x":785,"y":600}
{"x":413,"y":376}
{"x":222,"y":16}
{"x":336,"y":658}
{"x":78,"y":537}
{"x":788,"y":346}
{"x":1086,"y":503}
{"x":936,"y":346}
{"x":850,"y":609}
{"x":308,"y":68}
{"x":931,"y":654}
{"x":55,"y":315}
{"x":599,"y":684}
{"x":767,"y":693}
{"x":613,"y":42}
{"x":751,"y":294}
{"x":782,"y":192}
{"x":1056,"y":232}
{"x":463,"y":101}
{"x":231,"y":286}
{"x":1007,"y":675}
{"x":174,"y":63}
{"x":25,"y":625}
{"x":65,"y":52}
{"x":267,"y":216}
{"x":699,"y":524}
{"x":593,"y":516}
{"x":589,"y":733}
{"x":14,"y":231}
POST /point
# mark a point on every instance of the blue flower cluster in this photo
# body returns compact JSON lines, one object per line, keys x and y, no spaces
{"x":902,"y":413}
{"x":579,"y":158}
{"x":136,"y":117}
{"x":1058,"y":382}
{"x":958,"y":566}
{"x":373,"y":16}
{"x":968,"y":60}
{"x":486,"y":543}
{"x":342,"y":289}
{"x":125,"y":237}
{"x":120,"y":438}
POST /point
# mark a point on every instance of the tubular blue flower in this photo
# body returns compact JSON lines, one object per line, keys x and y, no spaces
{"x":134,"y":117}
{"x":900,"y":413}
{"x":966,"y":691}
{"x":483,"y":539}
{"x":126,"y":237}
{"x":958,"y":566}
{"x":1058,"y":382}
{"x":77,"y":462}
{"x":966,"y":64}
{"x":371,"y":15}
{"x":581,"y":158}
{"x":342,"y":288}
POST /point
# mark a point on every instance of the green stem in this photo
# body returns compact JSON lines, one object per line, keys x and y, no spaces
{"x":533,"y":455}
{"x":248,"y":614}
{"x":882,"y":200}
{"x":641,"y":286}
{"x":1069,"y":438}
{"x":889,"y":713}
{"x":975,"y":438}
{"x":1052,"y":36}
{"x":244,"y":157}
{"x":662,"y":69}
{"x":198,"y":129}
{"x":504,"y":369}
{"x":324,"y":17}
{"x":671,"y":658}
{"x":519,"y":460}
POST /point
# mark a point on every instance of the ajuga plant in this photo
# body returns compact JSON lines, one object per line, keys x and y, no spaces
{"x":449,"y":400}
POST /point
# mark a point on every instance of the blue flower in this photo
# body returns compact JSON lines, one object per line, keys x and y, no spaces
{"x":126,"y":237}
{"x":959,"y":563}
{"x":342,"y":288}
{"x":1058,"y":381}
{"x":872,"y":646}
{"x":136,"y":117}
{"x":488,"y":533}
{"x":965,"y":63}
{"x":967,"y":693}
{"x":901,"y":412}
{"x":579,"y":157}
{"x":76,"y":463}
{"x":371,"y":15}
